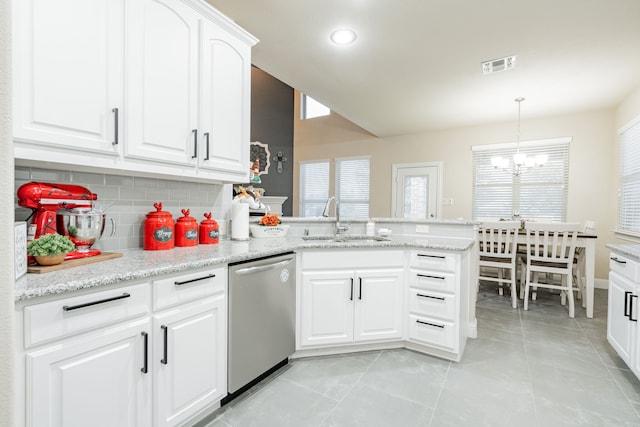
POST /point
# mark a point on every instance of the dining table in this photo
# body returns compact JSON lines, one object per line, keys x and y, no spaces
{"x":588,"y":242}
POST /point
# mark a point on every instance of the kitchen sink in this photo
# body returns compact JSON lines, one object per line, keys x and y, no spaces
{"x":347,"y":238}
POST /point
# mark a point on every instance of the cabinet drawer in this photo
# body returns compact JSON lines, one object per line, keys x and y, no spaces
{"x":432,"y":304}
{"x":183,"y":288}
{"x":433,"y":260}
{"x":432,"y":332}
{"x":433,"y":280}
{"x":624,"y":266}
{"x":56,"y":319}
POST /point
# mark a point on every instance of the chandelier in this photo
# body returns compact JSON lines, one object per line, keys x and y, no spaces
{"x":521,"y":162}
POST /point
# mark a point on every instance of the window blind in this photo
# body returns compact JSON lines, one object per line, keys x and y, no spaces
{"x":352,"y":187}
{"x":314,"y":187}
{"x":629,"y":203}
{"x":539,"y":193}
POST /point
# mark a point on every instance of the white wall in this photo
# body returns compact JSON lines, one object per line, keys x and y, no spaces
{"x":592,"y":177}
{"x":7,"y":346}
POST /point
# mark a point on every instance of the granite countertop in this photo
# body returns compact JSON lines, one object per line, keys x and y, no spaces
{"x":140,"y":264}
{"x":632,"y":251}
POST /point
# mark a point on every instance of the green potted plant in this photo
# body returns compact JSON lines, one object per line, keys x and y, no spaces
{"x":50,"y":249}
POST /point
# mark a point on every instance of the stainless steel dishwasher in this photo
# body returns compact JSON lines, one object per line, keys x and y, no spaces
{"x":261,"y":319}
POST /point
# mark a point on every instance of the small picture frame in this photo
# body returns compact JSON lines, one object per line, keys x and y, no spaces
{"x":20,"y":248}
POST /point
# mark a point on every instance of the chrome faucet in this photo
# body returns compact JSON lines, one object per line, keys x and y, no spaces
{"x":325,"y":213}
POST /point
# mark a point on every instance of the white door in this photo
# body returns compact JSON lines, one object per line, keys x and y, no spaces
{"x":190,"y":355}
{"x":68,"y":73}
{"x":224,"y":99}
{"x":162,"y":55}
{"x":378,"y":308}
{"x":97,"y":381}
{"x":326,"y":308}
{"x":416,"y":190}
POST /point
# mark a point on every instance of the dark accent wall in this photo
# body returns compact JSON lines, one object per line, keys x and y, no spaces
{"x":272,"y":124}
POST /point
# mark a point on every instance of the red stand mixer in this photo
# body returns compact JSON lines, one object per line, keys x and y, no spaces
{"x":65,"y":209}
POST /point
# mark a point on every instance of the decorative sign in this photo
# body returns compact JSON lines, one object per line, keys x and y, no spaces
{"x":260,"y":151}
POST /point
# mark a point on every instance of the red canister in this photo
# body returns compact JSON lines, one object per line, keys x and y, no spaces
{"x":186,"y":230}
{"x":209,"y":231}
{"x":158,"y":229}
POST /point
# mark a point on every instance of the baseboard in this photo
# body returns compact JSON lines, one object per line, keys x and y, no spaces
{"x":601,"y":284}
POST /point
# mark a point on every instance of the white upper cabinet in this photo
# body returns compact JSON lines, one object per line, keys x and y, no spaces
{"x":162,"y":76}
{"x":142,"y":86}
{"x":68,"y":73}
{"x":224,"y":100}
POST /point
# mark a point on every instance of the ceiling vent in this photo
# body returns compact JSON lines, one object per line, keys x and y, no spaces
{"x":496,"y":65}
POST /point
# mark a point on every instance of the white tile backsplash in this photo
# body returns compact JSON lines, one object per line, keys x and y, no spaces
{"x":133,"y":198}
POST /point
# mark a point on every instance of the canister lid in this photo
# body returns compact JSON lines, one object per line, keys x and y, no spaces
{"x":208,"y":220}
{"x":159,"y":213}
{"x":186,"y":217}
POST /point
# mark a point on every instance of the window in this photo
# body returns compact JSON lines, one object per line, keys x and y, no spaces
{"x":629,"y":203}
{"x":536,"y":193}
{"x":310,"y":108}
{"x":314,"y":187}
{"x":352,"y":187}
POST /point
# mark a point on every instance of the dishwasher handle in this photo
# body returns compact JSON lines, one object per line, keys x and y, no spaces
{"x":261,"y":268}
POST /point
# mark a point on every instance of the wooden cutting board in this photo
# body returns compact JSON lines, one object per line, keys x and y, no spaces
{"x":39,"y":269}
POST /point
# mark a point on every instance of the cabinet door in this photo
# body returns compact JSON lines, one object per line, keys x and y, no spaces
{"x":190,"y":356}
{"x":224,"y":102}
{"x":162,"y":57}
{"x":96,"y":380}
{"x":620,"y":329}
{"x":67,"y":73}
{"x":326,"y":308}
{"x":378,"y":307}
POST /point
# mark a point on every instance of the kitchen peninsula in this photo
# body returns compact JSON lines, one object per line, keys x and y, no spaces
{"x":428,"y":266}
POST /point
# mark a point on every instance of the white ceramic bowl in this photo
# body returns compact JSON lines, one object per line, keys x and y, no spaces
{"x":260,"y":231}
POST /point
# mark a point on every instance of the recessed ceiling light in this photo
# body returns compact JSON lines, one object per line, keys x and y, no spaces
{"x":343,"y":36}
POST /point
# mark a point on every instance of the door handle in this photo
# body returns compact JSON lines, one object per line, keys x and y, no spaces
{"x":195,"y":144}
{"x":165,"y":344}
{"x":435,"y":325}
{"x":115,"y":126}
{"x":145,"y":356}
{"x":626,"y":304}
{"x":430,"y":296}
{"x":206,"y":145}
{"x":184,"y":282}
{"x":430,"y":276}
{"x":88,"y":304}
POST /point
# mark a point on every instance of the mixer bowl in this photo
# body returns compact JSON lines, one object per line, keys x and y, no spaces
{"x":82,"y":226}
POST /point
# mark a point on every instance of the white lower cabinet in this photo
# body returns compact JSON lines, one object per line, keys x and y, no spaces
{"x":622,"y":314}
{"x":100,"y":379}
{"x":434,"y":306}
{"x":149,"y":354}
{"x":189,"y":359}
{"x":346,"y":306}
{"x":388,"y":297}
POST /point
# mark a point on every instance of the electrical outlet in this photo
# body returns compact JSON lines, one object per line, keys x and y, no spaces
{"x":422,"y":228}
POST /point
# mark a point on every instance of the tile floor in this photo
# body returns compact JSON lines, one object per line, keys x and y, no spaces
{"x":533,"y":368}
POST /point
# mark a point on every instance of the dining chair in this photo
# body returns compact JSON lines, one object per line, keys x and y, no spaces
{"x":550,"y":251}
{"x":497,"y":255}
